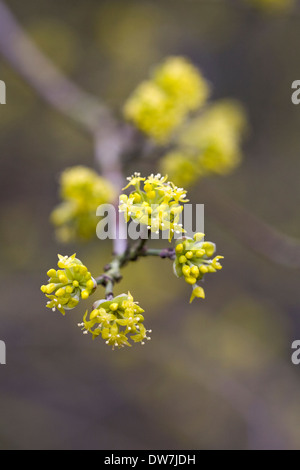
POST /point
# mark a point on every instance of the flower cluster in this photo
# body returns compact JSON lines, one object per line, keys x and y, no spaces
{"x":159,"y":105}
{"x":82,"y":191}
{"x":208,"y":144}
{"x":182,"y":81}
{"x":157,"y":204}
{"x":67,"y":285}
{"x":117,"y":321}
{"x":194,"y":260}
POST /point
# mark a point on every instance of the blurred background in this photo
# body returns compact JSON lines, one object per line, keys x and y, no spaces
{"x":218,"y":373}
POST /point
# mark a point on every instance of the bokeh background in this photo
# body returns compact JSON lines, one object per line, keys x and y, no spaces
{"x":218,"y":373}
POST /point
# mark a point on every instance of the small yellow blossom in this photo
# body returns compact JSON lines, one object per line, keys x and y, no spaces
{"x":153,"y":112}
{"x":67,"y":285}
{"x":180,"y":79}
{"x":208,"y":144}
{"x":134,"y":180}
{"x":160,"y":105}
{"x":182,"y":167}
{"x":82,"y":191}
{"x":157,"y":204}
{"x":217,"y":137}
{"x":197,"y":292}
{"x":193,"y":260}
{"x":117,"y":321}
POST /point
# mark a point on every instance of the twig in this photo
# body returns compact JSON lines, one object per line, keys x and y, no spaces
{"x":164,"y":253}
{"x":109,"y":143}
{"x":112,"y":273}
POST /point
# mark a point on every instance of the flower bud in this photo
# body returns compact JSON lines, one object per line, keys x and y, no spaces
{"x":67,"y":285}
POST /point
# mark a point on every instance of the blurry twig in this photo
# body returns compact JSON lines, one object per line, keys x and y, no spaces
{"x":44,"y":77}
{"x":109,"y":141}
{"x":65,"y":96}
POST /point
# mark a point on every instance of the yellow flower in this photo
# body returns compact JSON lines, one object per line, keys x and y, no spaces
{"x":208,"y":144}
{"x":82,"y":191}
{"x":216,"y":137}
{"x":153,"y":112}
{"x":159,"y":105}
{"x":157,"y":180}
{"x":117,"y":321}
{"x":181,"y":167}
{"x":178,"y":77}
{"x":134,"y":180}
{"x":67,"y":285}
{"x":198,"y":292}
{"x":193,"y":260}
{"x":158,"y":205}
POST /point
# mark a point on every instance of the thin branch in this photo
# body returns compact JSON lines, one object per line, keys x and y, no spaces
{"x":109,"y":144}
{"x":112,"y":273}
{"x":164,"y":253}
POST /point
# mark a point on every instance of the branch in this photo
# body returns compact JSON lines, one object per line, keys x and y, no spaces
{"x":57,"y":90}
{"x":112,"y":273}
{"x":164,"y":253}
{"x":110,"y":139}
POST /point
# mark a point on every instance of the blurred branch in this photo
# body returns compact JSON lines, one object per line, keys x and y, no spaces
{"x":44,"y":77}
{"x":110,"y":141}
{"x":250,"y":230}
{"x":64,"y":96}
